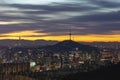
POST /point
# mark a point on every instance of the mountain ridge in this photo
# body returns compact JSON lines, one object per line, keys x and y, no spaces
{"x":69,"y":45}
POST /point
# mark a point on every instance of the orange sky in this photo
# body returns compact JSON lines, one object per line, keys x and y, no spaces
{"x":33,"y":35}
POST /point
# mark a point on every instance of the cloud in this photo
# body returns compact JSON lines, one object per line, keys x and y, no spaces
{"x":84,"y":16}
{"x":2,"y":1}
{"x":106,"y":3}
{"x":110,"y":16}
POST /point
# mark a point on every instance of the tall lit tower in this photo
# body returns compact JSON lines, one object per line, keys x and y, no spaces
{"x":19,"y":38}
{"x":70,"y":35}
{"x":19,"y":41}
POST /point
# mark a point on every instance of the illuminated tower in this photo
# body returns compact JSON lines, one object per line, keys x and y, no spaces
{"x":19,"y":38}
{"x":19,"y":41}
{"x":70,"y":35}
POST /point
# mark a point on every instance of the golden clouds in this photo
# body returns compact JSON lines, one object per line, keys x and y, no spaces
{"x":15,"y":22}
{"x":26,"y":33}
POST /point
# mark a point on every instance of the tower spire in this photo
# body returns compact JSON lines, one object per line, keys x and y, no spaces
{"x":19,"y":41}
{"x":70,"y":35}
{"x":19,"y":38}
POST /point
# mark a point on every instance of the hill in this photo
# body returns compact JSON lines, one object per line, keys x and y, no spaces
{"x":25,"y":43}
{"x":69,"y":45}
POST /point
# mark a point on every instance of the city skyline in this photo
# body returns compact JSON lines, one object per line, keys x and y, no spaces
{"x":89,"y":20}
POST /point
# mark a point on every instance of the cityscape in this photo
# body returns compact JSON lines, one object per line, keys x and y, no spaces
{"x":59,"y":40}
{"x":54,"y":61}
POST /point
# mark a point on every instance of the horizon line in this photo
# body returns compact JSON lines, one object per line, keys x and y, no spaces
{"x":56,"y":40}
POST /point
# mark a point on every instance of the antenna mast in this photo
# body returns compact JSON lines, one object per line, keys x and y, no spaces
{"x":19,"y":41}
{"x":19,"y":38}
{"x":70,"y":35}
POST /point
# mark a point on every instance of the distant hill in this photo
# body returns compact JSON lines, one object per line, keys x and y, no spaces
{"x":36,"y":43}
{"x":25,"y":43}
{"x":69,"y":45}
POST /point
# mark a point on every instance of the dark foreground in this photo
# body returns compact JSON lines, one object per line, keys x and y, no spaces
{"x":105,"y":73}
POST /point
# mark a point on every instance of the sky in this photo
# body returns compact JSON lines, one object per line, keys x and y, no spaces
{"x":88,"y":20}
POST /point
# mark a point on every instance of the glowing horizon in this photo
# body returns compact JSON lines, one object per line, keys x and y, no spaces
{"x":34,"y":35}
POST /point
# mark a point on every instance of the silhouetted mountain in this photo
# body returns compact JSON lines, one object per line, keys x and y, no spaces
{"x":69,"y":45}
{"x":25,"y":43}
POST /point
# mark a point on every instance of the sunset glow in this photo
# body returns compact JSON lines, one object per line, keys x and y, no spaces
{"x":33,"y":35}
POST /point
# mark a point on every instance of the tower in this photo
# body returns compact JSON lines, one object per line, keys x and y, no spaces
{"x":19,"y":38}
{"x":19,"y":41}
{"x":70,"y":35}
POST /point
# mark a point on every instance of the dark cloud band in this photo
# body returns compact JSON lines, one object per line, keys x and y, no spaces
{"x":85,"y":17}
